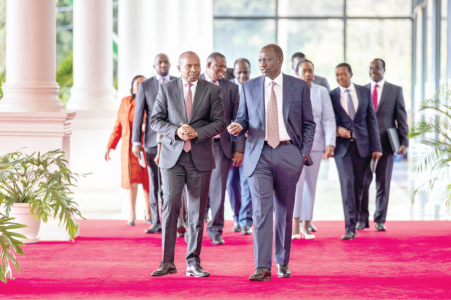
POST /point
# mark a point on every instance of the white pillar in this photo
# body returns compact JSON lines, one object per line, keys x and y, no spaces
{"x":93,"y":56}
{"x":31,"y":52}
{"x":135,"y":39}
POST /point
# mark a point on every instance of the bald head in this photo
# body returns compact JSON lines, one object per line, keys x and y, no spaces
{"x":162,"y":64}
{"x":189,"y":66}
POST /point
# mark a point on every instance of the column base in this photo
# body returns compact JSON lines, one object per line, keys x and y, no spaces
{"x":92,"y":99}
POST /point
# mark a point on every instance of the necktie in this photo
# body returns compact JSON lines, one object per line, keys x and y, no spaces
{"x":188,"y":107}
{"x":273,"y":120}
{"x":351,"y":108}
{"x":161,"y":80}
{"x":375,"y":97}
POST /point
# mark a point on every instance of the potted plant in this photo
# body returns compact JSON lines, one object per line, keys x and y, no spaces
{"x":36,"y":187}
{"x":433,"y":154}
{"x":9,"y":246}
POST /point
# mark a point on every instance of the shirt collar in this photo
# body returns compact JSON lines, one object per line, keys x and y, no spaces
{"x":351,"y":88}
{"x":207,"y":78}
{"x":380,"y":83}
{"x":278,"y":80}
{"x":185,"y":82}
{"x":166,"y":78}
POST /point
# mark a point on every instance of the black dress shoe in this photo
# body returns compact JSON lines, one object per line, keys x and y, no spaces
{"x":311,"y":226}
{"x":360,"y":226}
{"x":246,"y":230}
{"x":236,"y":227}
{"x":349,"y":236}
{"x":261,"y":274}
{"x":217,"y":240}
{"x":196,"y":271}
{"x":131,"y":223}
{"x":165,"y":268}
{"x":283,"y":271}
{"x":380,"y":227}
{"x":154,"y":229}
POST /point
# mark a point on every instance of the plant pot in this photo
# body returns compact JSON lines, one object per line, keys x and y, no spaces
{"x":21,"y":211}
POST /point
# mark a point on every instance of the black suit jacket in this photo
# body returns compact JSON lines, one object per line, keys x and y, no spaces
{"x":364,"y":124}
{"x":391,"y":113}
{"x":145,"y":99}
{"x":231,"y":100}
{"x":207,"y":118}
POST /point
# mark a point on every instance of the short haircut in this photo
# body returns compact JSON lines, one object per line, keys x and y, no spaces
{"x":382,"y":61}
{"x":186,"y":53}
{"x":276,"y":49}
{"x":297,"y":54}
{"x":348,"y":66}
{"x":303,"y":61}
{"x":214,"y":55}
{"x":242,"y":60}
{"x":159,"y":54}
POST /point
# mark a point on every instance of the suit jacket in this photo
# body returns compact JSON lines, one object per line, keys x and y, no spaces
{"x":231,"y":102}
{"x":207,"y":118}
{"x":322,"y":82}
{"x":324,"y":116}
{"x":297,"y":114}
{"x":145,"y":99}
{"x":391,"y":108}
{"x":233,"y":80}
{"x":364,"y":124}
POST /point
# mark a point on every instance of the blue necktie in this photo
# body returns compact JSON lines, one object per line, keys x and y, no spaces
{"x":351,"y":108}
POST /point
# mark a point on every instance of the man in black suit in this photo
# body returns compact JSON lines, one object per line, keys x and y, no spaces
{"x":145,"y":100}
{"x":225,"y":150}
{"x":188,"y":113}
{"x":357,"y":141}
{"x":388,"y":102}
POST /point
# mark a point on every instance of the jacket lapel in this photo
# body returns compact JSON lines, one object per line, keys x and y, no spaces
{"x":360,"y":99}
{"x":287,"y":97}
{"x":259,"y":98}
{"x":155,"y":85}
{"x":385,"y":91}
{"x":198,"y":97}
{"x":223,"y":85}
{"x":338,"y":103}
{"x":180,"y":96}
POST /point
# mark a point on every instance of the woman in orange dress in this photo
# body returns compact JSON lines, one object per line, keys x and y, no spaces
{"x":132,"y":173}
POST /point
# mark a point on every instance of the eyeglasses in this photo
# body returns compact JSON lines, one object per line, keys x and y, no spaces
{"x":374,"y":68}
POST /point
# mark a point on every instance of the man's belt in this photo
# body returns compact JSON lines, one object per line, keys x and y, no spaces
{"x":281,"y":143}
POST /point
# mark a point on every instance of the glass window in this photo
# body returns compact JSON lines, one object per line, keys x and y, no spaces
{"x":419,"y":54}
{"x":430,"y":76}
{"x":243,"y":38}
{"x":320,"y":40}
{"x":389,"y":40}
{"x":245,"y":8}
{"x":444,"y":41}
{"x":378,"y":8}
{"x":308,"y":8}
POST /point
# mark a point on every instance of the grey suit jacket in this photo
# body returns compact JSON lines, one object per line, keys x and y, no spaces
{"x":207,"y":118}
{"x":231,"y":101}
{"x":145,"y":99}
{"x":391,"y":111}
{"x":322,"y":82}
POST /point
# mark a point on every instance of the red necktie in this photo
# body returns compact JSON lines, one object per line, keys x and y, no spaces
{"x":162,"y":80}
{"x":375,"y":97}
{"x":188,"y":107}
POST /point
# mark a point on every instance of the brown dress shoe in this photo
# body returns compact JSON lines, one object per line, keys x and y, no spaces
{"x":261,"y":274}
{"x":165,"y":268}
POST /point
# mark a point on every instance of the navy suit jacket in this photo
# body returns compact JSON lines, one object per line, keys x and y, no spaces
{"x":297,"y":114}
{"x":231,"y":102}
{"x":364,"y":125}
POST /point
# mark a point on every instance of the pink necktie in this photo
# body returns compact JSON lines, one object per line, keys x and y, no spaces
{"x":188,"y":107}
{"x":375,"y":97}
{"x":161,"y":80}
{"x":273,"y":120}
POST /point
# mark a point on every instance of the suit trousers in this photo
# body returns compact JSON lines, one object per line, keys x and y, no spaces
{"x":216,"y":195}
{"x":306,"y":188}
{"x":273,"y":189}
{"x":240,"y":196}
{"x":351,"y":171}
{"x":197,"y":183}
{"x":154,"y":184}
{"x":384,"y":172}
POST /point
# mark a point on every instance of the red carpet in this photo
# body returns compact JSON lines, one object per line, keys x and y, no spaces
{"x":412,"y":260}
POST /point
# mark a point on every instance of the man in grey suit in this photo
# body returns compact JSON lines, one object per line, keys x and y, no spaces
{"x":145,"y":100}
{"x":226,"y":151}
{"x":277,"y":111}
{"x":188,"y":113}
{"x":298,"y":56}
{"x":388,"y":102}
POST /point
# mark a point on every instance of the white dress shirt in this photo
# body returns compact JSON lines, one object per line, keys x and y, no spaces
{"x":278,"y":89}
{"x":344,"y":97}
{"x":166,"y":78}
{"x":379,"y":89}
{"x":185,"y":88}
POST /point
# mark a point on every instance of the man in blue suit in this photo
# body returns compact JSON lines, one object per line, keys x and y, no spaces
{"x":357,"y":143}
{"x":276,"y":110}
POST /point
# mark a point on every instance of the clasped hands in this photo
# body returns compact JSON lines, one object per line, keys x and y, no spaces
{"x":234,"y":128}
{"x":186,"y":132}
